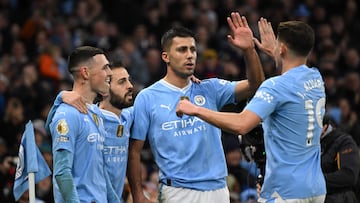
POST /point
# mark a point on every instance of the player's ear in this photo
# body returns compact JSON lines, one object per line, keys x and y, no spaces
{"x":165,"y":57}
{"x":84,"y":72}
{"x":283,"y":49}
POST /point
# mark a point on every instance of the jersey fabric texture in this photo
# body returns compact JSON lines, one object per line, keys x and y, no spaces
{"x":187,"y":150}
{"x":116,"y":146}
{"x":292,"y":106}
{"x":83,"y":135}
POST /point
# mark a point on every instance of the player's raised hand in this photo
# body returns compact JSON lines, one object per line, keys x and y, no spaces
{"x":241,"y":35}
{"x":267,"y":38}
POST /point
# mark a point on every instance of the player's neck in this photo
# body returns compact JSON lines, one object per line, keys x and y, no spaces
{"x":107,"y":106}
{"x":84,"y":89}
{"x":177,"y":81}
{"x":291,"y":63}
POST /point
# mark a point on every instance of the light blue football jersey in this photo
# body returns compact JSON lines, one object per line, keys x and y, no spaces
{"x":116,"y":146}
{"x":292,"y":106}
{"x":82,"y":135}
{"x":187,"y":150}
{"x":116,"y":142}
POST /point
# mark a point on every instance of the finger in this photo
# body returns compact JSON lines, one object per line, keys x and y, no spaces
{"x":244,"y":21}
{"x":230,"y":39}
{"x":237,"y":19}
{"x":266,"y":26}
{"x":261,"y":26}
{"x":230,"y":23}
{"x":85,"y":109}
{"x":270,"y":28}
{"x":80,"y":107}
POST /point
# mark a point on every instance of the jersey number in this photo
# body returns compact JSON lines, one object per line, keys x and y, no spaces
{"x":314,"y":115}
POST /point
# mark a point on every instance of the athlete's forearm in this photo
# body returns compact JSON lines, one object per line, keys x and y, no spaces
{"x":235,"y":123}
{"x":254,"y":70}
{"x":134,"y":171}
{"x":62,"y":170}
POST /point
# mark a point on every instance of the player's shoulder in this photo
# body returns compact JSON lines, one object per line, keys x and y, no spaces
{"x":212,"y":82}
{"x":148,"y":91}
{"x":68,"y":109}
{"x":273,"y":82}
{"x":128,"y":112}
{"x":67,"y":112}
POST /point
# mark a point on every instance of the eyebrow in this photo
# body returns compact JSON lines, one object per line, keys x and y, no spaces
{"x":106,"y":66}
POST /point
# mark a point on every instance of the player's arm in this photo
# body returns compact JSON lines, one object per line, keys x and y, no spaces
{"x":242,"y":38}
{"x":134,"y":171}
{"x":235,"y":123}
{"x":63,"y":160}
{"x":74,"y":99}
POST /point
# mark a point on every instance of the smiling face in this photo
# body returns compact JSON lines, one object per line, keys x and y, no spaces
{"x":181,"y":56}
{"x":99,"y":75}
{"x":121,"y":89}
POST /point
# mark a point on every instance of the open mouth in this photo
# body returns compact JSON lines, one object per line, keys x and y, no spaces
{"x":189,"y":65}
{"x":108,"y":80}
{"x":129,"y":95}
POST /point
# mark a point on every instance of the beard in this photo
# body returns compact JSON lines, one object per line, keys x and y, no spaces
{"x":181,"y":74}
{"x":118,"y":101}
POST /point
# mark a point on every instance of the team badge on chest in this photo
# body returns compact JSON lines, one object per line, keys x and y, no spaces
{"x":199,"y":100}
{"x":120,"y":130}
{"x":96,"y":119}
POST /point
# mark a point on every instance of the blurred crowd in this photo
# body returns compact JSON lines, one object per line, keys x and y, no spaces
{"x":36,"y":36}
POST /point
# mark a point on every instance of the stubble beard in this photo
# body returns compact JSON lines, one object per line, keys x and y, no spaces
{"x":183,"y":75}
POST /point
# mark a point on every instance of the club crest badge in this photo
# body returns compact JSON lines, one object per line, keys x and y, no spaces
{"x":62,"y":127}
{"x":120,"y":131}
{"x":199,"y":100}
{"x":96,"y":119}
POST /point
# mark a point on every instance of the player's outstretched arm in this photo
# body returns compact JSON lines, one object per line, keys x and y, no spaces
{"x":242,"y":38}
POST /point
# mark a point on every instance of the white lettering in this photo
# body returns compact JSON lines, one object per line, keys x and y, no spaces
{"x":116,"y":159}
{"x":190,"y":131}
{"x":93,"y":137}
{"x":115,"y":150}
{"x":170,"y":125}
{"x":312,"y":84}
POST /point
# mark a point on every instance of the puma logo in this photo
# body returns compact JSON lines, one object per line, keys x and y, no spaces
{"x":165,"y":106}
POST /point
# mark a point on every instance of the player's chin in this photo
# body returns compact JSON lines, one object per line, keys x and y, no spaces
{"x":104,"y":92}
{"x":189,"y":72}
